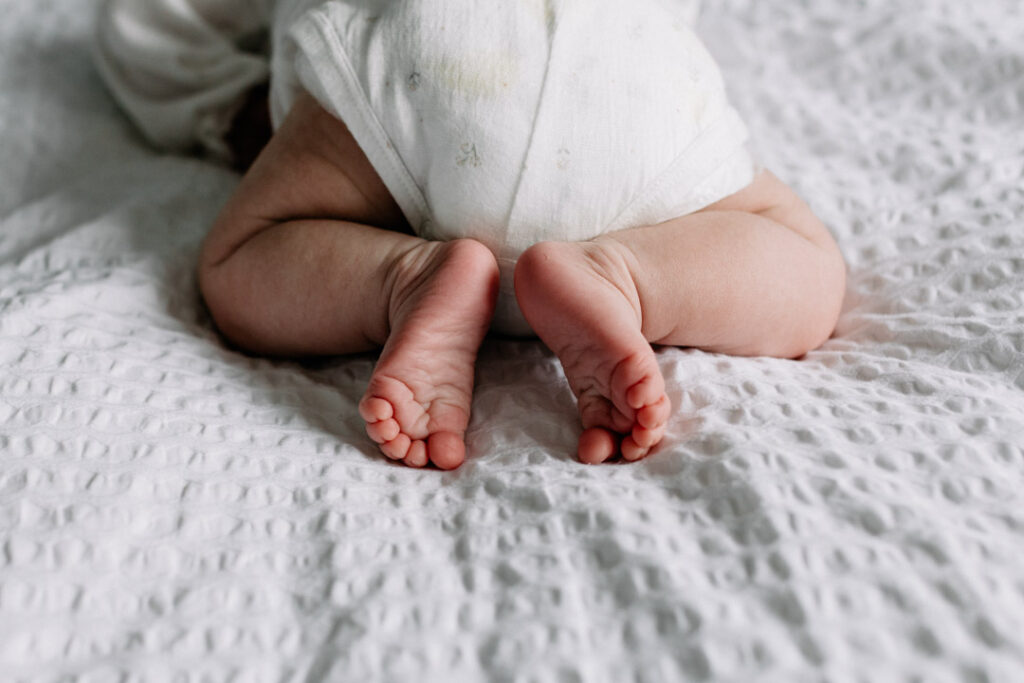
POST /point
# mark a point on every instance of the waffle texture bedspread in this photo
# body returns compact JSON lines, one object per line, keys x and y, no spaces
{"x":174,"y":510}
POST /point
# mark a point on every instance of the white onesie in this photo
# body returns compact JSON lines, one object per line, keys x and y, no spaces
{"x":510,"y":121}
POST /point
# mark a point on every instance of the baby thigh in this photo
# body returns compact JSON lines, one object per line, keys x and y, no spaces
{"x":754,"y":274}
{"x":299,"y":260}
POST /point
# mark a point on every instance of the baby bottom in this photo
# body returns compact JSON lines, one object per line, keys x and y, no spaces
{"x":311,"y":256}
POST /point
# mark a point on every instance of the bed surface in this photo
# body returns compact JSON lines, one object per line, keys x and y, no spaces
{"x":171,"y":509}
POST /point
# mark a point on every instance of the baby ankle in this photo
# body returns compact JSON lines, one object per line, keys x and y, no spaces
{"x":617,"y":263}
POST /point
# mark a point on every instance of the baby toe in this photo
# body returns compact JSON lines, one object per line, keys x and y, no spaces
{"x":375,"y":409}
{"x":596,"y":445}
{"x":647,"y":438}
{"x":631,"y":450}
{"x":598,"y":411}
{"x":396,"y":448}
{"x":417,"y":455}
{"x":655,"y":414}
{"x":645,"y":392}
{"x":447,"y":450}
{"x":383,"y":431}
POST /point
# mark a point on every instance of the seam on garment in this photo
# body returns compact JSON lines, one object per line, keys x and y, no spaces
{"x":552,"y":35}
{"x":718,"y":142}
{"x":363,"y":122}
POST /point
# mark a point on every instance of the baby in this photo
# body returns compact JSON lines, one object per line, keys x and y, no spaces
{"x":568,"y":169}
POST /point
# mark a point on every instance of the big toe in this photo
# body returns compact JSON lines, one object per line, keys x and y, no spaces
{"x":447,"y":450}
{"x":596,"y":445}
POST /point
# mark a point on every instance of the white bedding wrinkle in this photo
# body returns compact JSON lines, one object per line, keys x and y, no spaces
{"x":173,"y":509}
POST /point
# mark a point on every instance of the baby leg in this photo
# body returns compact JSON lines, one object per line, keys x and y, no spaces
{"x":754,"y":274}
{"x":293,"y":266}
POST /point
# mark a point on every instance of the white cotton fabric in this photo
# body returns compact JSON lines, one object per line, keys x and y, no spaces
{"x":174,"y":510}
{"x":518,"y":121}
{"x":180,"y":67}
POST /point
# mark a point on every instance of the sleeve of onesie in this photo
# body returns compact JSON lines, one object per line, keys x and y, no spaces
{"x":182,"y":68}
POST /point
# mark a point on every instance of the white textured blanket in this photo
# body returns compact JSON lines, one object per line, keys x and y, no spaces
{"x":173,"y":510}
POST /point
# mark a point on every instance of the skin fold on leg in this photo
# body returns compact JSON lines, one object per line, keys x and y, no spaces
{"x":296,"y":265}
{"x":312,"y":256}
{"x":754,"y":274}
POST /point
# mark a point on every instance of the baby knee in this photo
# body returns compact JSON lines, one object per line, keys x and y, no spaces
{"x":223,"y":289}
{"x":825,"y":305}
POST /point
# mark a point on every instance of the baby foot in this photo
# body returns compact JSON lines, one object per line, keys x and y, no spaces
{"x":580,"y":299}
{"x":417,"y":404}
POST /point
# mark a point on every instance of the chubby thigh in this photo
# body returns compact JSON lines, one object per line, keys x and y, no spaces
{"x":526,"y":121}
{"x":311,"y":168}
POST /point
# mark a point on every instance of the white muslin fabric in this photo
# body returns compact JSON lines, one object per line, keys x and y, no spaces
{"x":182,"y":68}
{"x":529,"y":121}
{"x":519,"y":121}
